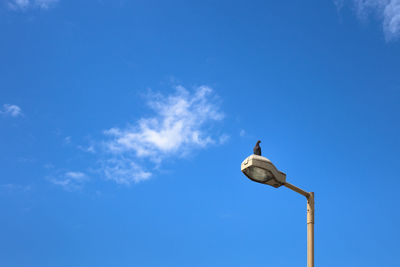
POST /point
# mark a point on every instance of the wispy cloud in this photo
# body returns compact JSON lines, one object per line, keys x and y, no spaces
{"x":15,"y":188}
{"x":388,"y":11}
{"x":11,"y":110}
{"x":67,"y":140}
{"x":176,"y":127}
{"x":70,"y":181}
{"x":124,"y":171}
{"x":181,"y":123}
{"x":26,"y":4}
{"x":89,"y":148}
{"x":21,"y":4}
{"x":45,"y":4}
{"x":391,"y":23}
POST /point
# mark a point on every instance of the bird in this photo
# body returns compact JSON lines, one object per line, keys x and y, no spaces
{"x":257,"y":148}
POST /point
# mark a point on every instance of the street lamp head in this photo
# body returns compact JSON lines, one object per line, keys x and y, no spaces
{"x":261,"y":170}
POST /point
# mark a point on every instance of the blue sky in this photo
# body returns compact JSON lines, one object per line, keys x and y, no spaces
{"x":123,"y":125}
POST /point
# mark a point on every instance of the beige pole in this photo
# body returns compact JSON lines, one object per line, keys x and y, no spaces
{"x":310,"y":221}
{"x":310,"y":230}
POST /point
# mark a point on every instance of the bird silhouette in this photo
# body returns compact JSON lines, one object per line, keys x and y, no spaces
{"x":257,"y":148}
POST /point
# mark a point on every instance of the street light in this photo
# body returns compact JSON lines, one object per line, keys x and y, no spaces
{"x":261,"y":170}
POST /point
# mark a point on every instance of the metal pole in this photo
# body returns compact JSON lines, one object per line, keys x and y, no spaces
{"x":310,"y":230}
{"x":310,"y":221}
{"x":296,"y":189}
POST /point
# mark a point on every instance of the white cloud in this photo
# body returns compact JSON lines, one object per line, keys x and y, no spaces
{"x":25,"y":4}
{"x":77,"y":176}
{"x":223,"y":139}
{"x":45,"y":4}
{"x":70,"y":181}
{"x":124,"y":171}
{"x":387,"y":10}
{"x":181,"y":123}
{"x":391,"y":22}
{"x":89,"y":149}
{"x":67,"y":140}
{"x":11,"y":110}
{"x":176,"y":127}
{"x":15,"y":188}
{"x":22,"y":4}
{"x":339,"y":3}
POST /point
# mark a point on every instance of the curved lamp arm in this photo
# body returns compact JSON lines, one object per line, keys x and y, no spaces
{"x":298,"y":190}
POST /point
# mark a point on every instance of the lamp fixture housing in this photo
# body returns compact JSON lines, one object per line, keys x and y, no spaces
{"x":261,"y":170}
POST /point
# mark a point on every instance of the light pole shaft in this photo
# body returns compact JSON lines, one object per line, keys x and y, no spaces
{"x":310,"y":230}
{"x":310,"y":221}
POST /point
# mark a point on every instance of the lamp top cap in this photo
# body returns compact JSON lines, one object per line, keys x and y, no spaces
{"x":257,"y":157}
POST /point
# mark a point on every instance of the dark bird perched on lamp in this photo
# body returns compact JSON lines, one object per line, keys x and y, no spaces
{"x":257,"y":148}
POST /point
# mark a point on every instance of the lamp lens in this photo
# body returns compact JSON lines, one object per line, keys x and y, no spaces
{"x":259,"y":174}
